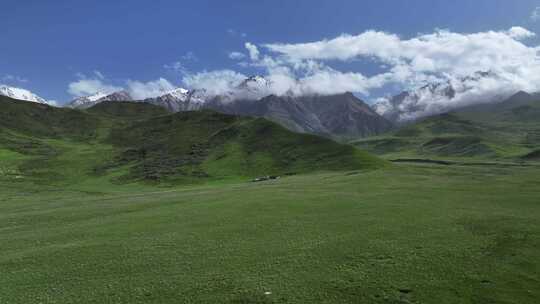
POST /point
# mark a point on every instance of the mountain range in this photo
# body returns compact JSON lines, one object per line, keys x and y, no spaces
{"x":137,"y":141}
{"x":508,"y":130}
{"x":442,"y":96}
{"x":341,"y":116}
{"x":20,"y":94}
{"x":86,"y":102}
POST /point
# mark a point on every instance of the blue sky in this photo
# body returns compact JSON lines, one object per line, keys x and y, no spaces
{"x":46,"y":45}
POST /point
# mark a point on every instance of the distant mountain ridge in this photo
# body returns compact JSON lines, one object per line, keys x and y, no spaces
{"x":342,"y":116}
{"x":508,"y":130}
{"x":86,"y":102}
{"x":139,"y":142}
{"x":180,"y":100}
{"x":21,"y":94}
{"x":440,"y":97}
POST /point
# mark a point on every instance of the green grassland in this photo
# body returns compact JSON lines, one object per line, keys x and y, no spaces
{"x":137,"y":142}
{"x":130,"y":204}
{"x":401,"y":234}
{"x":505,"y":132}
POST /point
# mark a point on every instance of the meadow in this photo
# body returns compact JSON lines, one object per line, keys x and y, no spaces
{"x":404,"y":233}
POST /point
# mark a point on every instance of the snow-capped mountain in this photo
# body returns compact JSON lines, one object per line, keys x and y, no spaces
{"x":254,"y":87}
{"x":342,"y":115}
{"x":21,"y":94}
{"x":86,"y":102}
{"x":444,"y":96}
{"x":180,"y":99}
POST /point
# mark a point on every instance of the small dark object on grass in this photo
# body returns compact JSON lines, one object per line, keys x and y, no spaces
{"x":265,"y":178}
{"x":405,"y":290}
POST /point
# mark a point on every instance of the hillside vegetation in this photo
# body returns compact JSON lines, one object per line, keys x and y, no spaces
{"x":402,"y":234}
{"x":505,"y":131}
{"x":125,"y":203}
{"x":129,"y":142}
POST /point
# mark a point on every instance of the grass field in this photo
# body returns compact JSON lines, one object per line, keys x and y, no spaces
{"x":401,"y":234}
{"x":508,"y":131}
{"x":125,"y":203}
{"x":144,"y":143}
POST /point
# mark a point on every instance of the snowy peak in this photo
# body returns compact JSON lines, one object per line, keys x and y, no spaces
{"x":254,"y":87}
{"x":117,"y":96}
{"x":179,"y":93}
{"x":441,"y":97}
{"x":86,"y":102}
{"x":256,"y":81}
{"x":21,"y":94}
{"x":200,"y":96}
{"x":96,"y":96}
{"x":181,"y":99}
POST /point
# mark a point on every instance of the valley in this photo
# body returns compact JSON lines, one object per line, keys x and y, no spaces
{"x":401,"y":234}
{"x":270,"y":152}
{"x":506,"y":132}
{"x":130,"y":203}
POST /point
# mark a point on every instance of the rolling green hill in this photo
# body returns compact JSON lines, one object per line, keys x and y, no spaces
{"x":132,"y":204}
{"x":506,"y":131}
{"x":402,"y":234}
{"x":129,"y":142}
{"x":127,"y":110}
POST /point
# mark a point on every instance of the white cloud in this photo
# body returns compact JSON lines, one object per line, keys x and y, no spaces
{"x":405,"y":63}
{"x":411,"y":63}
{"x":214,"y":82}
{"x":320,"y":79}
{"x":535,"y":15}
{"x":440,"y":52}
{"x":451,"y":94}
{"x":519,"y":33}
{"x":85,"y":87}
{"x":100,"y":84}
{"x":142,"y":90}
{"x":253,"y":51}
{"x":236,"y":55}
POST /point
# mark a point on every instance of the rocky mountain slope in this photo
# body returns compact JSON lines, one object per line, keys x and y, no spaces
{"x":442,"y":97}
{"x":341,"y":116}
{"x":86,"y":102}
{"x":21,"y":94}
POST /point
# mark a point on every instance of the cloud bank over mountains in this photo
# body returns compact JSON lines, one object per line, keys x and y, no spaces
{"x":309,"y":68}
{"x":409,"y":63}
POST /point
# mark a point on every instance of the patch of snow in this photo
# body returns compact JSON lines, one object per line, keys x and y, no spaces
{"x":21,"y":94}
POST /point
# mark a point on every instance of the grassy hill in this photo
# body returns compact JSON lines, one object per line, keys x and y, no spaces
{"x":127,"y":110}
{"x":210,"y":144}
{"x":504,"y":131}
{"x":129,"y":142}
{"x":40,"y":120}
{"x":85,"y":216}
{"x":402,"y":234}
